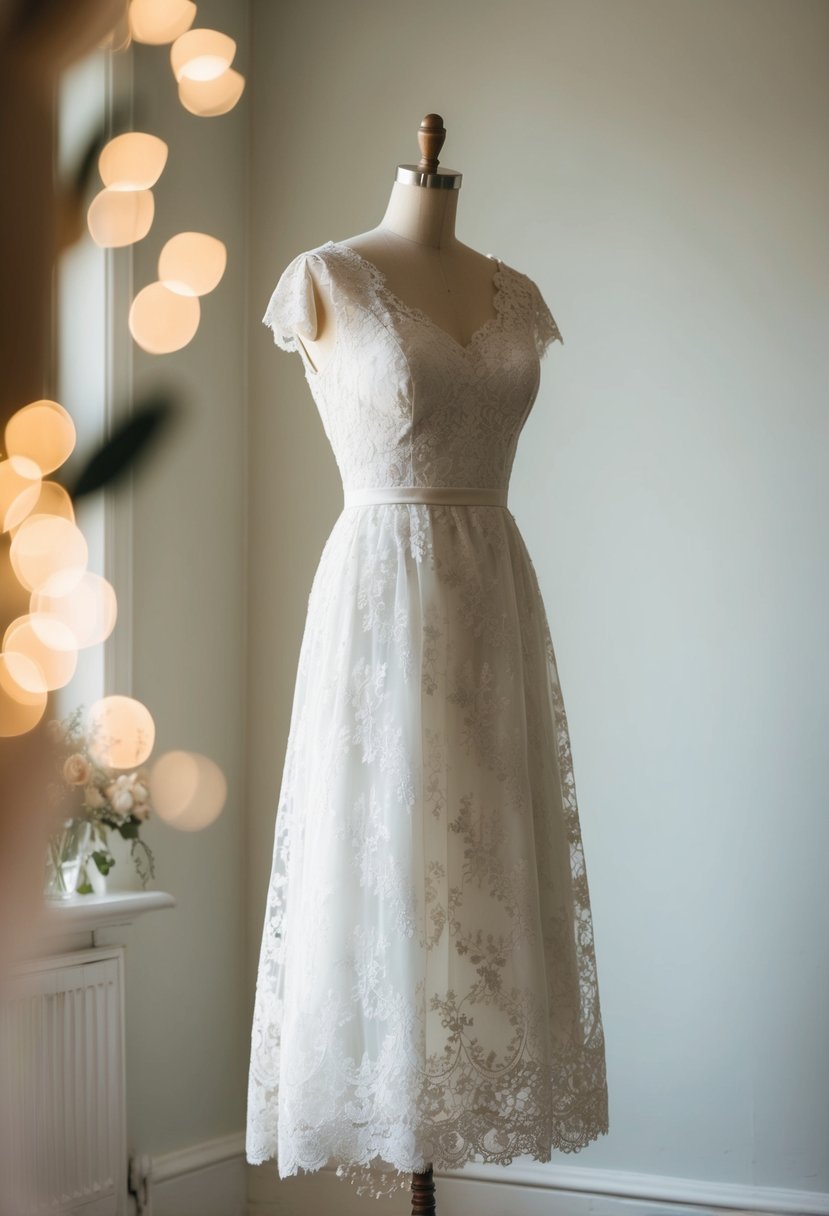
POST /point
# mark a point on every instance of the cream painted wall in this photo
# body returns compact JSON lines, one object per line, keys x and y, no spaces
{"x":185,"y":980}
{"x":660,"y":169}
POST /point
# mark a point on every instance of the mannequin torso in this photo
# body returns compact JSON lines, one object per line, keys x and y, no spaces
{"x":415,"y":249}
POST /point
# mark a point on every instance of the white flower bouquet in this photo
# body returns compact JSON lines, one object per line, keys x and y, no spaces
{"x":106,"y":799}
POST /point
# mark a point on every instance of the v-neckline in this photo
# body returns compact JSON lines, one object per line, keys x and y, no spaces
{"x":380,"y":284}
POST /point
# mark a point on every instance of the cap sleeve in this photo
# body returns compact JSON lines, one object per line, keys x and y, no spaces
{"x":291,"y":309}
{"x":544,"y":326}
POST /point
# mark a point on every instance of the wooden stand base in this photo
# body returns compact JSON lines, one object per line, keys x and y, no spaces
{"x":423,"y":1193}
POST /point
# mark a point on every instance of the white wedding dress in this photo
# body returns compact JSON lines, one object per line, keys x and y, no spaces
{"x":427,"y":984}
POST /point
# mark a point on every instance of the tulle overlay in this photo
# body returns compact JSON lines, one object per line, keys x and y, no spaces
{"x":427,"y":986}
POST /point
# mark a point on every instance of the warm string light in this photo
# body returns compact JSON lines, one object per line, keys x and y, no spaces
{"x":120,"y":217}
{"x":48,"y":555}
{"x":20,"y":489}
{"x":207,"y":84}
{"x":164,"y":315}
{"x":130,"y":165}
{"x":134,"y":161}
{"x":210,"y":98}
{"x":187,"y":790}
{"x":50,"y":667}
{"x":52,"y":499}
{"x":161,"y":320}
{"x":38,"y":438}
{"x":43,"y":433}
{"x":122,"y":213}
{"x":192,"y":263}
{"x":84,"y":617}
{"x":159,"y":21}
{"x":122,"y":732}
{"x":70,"y":606}
{"x":201,"y":55}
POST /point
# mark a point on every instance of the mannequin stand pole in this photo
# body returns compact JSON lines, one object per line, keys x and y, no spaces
{"x":423,"y":1193}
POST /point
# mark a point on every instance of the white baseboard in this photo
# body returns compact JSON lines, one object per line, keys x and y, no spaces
{"x":208,"y":1179}
{"x":678,"y":1193}
{"x":213,"y":1179}
{"x":531,"y":1190}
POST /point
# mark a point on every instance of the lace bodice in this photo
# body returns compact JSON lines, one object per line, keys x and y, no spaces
{"x":403,"y":403}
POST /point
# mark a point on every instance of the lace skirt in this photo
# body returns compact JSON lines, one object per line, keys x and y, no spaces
{"x":427,"y":986}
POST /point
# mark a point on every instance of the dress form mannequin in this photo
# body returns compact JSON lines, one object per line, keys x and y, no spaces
{"x":426,"y":266}
{"x":427,"y":991}
{"x":415,"y":248}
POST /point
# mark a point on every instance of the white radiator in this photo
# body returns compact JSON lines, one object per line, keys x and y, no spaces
{"x":63,"y":1141}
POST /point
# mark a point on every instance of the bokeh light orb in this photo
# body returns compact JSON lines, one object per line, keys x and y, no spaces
{"x":120,"y":217}
{"x":19,"y":491}
{"x":133,"y":161}
{"x":192,"y":263}
{"x":121,"y":731}
{"x":49,"y":554}
{"x":209,"y":98}
{"x":156,"y":22}
{"x":42,"y":431}
{"x":83,"y":617}
{"x":20,"y":708}
{"x":187,"y":790}
{"x":161,"y":320}
{"x":53,"y":499}
{"x":55,"y":668}
{"x":201,"y":55}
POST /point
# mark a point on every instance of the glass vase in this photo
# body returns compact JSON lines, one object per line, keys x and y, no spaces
{"x":64,"y":854}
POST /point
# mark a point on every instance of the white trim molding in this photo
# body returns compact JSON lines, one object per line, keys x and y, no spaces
{"x":626,"y":1185}
{"x":208,"y":1178}
{"x":198,"y":1157}
{"x":535,"y":1189}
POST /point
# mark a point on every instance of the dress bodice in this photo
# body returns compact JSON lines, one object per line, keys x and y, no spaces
{"x":403,"y":403}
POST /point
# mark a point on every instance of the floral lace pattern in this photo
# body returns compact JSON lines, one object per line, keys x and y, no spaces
{"x":427,"y":988}
{"x":402,"y":403}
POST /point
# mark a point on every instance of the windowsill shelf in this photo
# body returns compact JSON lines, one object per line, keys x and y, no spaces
{"x":87,"y":913}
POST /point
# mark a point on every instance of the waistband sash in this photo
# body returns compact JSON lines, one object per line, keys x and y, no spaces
{"x":455,"y":495}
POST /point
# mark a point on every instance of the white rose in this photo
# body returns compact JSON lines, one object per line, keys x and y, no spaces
{"x":93,"y":797}
{"x":119,"y":794}
{"x":122,"y":802}
{"x":76,"y":769}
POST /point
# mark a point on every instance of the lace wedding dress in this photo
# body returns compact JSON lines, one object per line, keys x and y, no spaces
{"x":427,"y":984}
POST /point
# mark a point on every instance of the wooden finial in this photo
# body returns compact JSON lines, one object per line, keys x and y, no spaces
{"x":430,"y":136}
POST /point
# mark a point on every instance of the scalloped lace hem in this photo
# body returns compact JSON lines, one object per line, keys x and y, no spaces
{"x":382,"y":1173}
